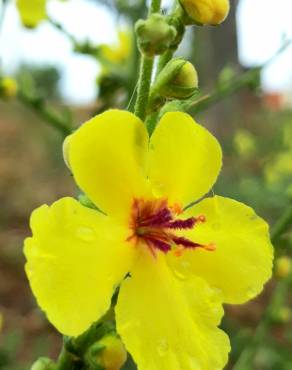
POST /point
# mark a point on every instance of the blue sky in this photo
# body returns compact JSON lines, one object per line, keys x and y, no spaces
{"x":262,"y":25}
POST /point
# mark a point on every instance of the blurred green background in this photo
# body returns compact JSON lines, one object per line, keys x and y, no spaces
{"x":253,"y":126}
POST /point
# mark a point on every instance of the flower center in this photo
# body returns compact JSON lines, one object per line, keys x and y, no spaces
{"x":155,"y":224}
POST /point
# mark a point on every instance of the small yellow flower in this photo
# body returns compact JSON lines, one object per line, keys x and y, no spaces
{"x":175,"y":266}
{"x":283,"y":267}
{"x":244,"y":143}
{"x":31,"y":12}
{"x":206,"y":12}
{"x":280,"y":169}
{"x":8,"y":87}
{"x":118,"y":54}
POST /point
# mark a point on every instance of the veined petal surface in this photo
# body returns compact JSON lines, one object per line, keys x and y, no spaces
{"x":184,"y":159}
{"x":242,"y":261}
{"x":75,"y":259}
{"x":167,"y":323}
{"x":107,"y":157}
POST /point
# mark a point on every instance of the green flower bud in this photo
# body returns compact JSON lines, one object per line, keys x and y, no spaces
{"x":178,"y":80}
{"x":205,"y":12}
{"x":108,"y":353}
{"x":43,"y":363}
{"x":155,"y":35}
{"x":8,"y":87}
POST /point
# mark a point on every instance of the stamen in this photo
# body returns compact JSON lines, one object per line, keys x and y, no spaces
{"x":153,"y":222}
{"x":189,"y":223}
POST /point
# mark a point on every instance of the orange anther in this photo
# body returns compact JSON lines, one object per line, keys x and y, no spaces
{"x":210,"y":247}
{"x":201,"y":218}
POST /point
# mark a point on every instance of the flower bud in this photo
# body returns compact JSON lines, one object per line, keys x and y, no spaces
{"x":8,"y":88}
{"x":178,"y":80}
{"x":206,"y":12}
{"x":108,"y":353}
{"x":43,"y":363}
{"x":283,"y":267}
{"x":155,"y":35}
{"x":31,"y":12}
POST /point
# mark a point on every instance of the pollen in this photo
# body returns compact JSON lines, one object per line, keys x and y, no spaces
{"x":156,"y":224}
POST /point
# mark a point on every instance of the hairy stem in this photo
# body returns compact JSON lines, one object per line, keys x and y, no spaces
{"x":145,"y":76}
{"x":144,"y":84}
{"x":284,"y":222}
{"x":65,"y":360}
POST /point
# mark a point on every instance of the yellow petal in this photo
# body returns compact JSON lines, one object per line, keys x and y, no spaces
{"x":185,"y":159}
{"x":107,"y":156}
{"x":167,"y":323}
{"x":32,"y":12}
{"x":75,"y":258}
{"x":242,"y":261}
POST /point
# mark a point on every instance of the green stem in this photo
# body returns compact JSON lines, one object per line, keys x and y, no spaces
{"x":144,"y":84}
{"x":284,"y":222}
{"x":155,"y":6}
{"x":163,"y":60}
{"x":224,"y":91}
{"x":52,"y":117}
{"x":65,"y":360}
{"x":145,"y":75}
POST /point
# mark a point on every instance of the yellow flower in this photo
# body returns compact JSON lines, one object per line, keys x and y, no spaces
{"x":174,"y":267}
{"x":283,"y":267}
{"x":119,"y":53}
{"x":280,"y":169}
{"x":206,"y":12}
{"x":8,"y":87}
{"x":31,"y":12}
{"x":244,"y":143}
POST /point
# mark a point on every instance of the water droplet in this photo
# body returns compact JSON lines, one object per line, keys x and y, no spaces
{"x":252,"y":292}
{"x":86,"y":233}
{"x":216,"y":226}
{"x":180,"y":274}
{"x":194,"y":363}
{"x":185,"y":265}
{"x":162,"y":347}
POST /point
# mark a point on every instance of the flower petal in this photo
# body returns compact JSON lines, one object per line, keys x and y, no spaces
{"x":107,"y":156}
{"x":185,"y":159}
{"x":75,"y":258}
{"x":167,"y":323}
{"x":242,"y":261}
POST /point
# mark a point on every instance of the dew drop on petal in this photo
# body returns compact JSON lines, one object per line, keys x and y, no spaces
{"x":162,"y":347}
{"x":252,"y":292}
{"x":194,"y":363}
{"x":85,"y":233}
{"x":216,"y":226}
{"x":179,"y":274}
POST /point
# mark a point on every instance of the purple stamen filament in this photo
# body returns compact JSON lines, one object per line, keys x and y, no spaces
{"x":155,"y":224}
